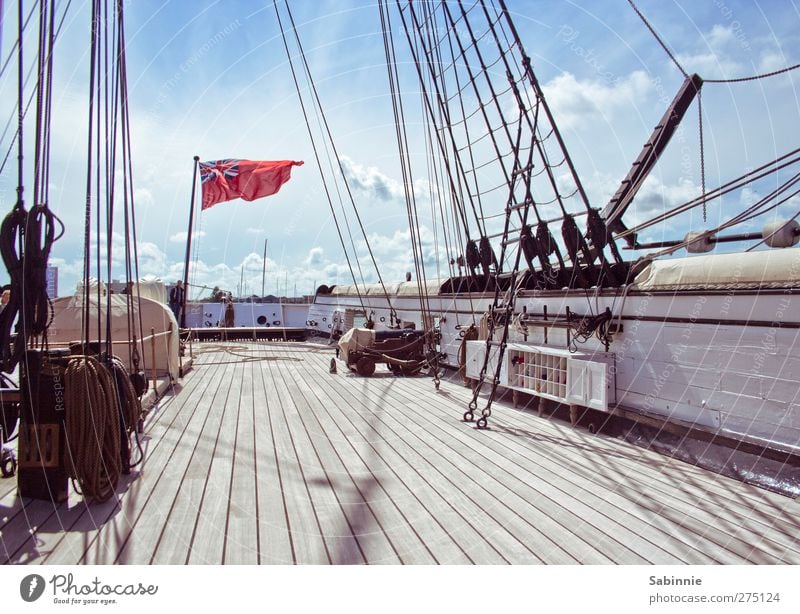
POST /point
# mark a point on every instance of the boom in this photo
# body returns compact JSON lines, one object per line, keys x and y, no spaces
{"x":650,"y":154}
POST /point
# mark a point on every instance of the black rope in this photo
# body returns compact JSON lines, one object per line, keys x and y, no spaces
{"x":138,"y":355}
{"x":784,"y":161}
{"x":316,"y":155}
{"x":13,"y":49}
{"x":408,"y":180}
{"x":702,"y":154}
{"x":87,"y":227}
{"x":319,"y":107}
{"x":26,"y":237}
{"x":464,"y":120}
{"x":754,"y":77}
{"x":32,"y":94}
{"x":658,"y":39}
{"x":444,"y":110}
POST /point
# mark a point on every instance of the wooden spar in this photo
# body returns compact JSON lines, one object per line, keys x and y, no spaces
{"x":182,"y":323}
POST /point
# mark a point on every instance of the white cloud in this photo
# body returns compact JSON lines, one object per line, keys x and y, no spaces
{"x":771,"y":61}
{"x":371,"y":181}
{"x":655,"y":197}
{"x":315,"y":256}
{"x":143,"y":197}
{"x":711,"y":64}
{"x":724,"y":52}
{"x":180,"y":237}
{"x":579,"y":103}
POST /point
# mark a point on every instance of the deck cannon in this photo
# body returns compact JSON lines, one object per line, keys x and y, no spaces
{"x":404,"y":351}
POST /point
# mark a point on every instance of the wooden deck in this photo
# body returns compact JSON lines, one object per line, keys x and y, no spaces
{"x":263,"y":456}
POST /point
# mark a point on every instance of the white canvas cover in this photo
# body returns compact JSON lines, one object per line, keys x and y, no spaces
{"x":356,"y":339}
{"x":66,"y":327}
{"x":773,"y":268}
{"x":153,"y":289}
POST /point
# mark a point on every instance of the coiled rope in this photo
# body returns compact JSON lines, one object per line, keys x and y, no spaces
{"x":131,"y":405}
{"x":92,"y":428}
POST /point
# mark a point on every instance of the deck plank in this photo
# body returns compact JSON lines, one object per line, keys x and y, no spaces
{"x":208,"y":539}
{"x":635,"y":473}
{"x":132,"y":536}
{"x":21,"y":539}
{"x":444,"y":509}
{"x":242,"y":530}
{"x":665,"y":486}
{"x":264,"y":456}
{"x":555,"y":542}
{"x":517,"y":534}
{"x":444,"y":527}
{"x":308,"y":536}
{"x":675,"y":506}
{"x":166,"y":528}
{"x":344,"y":545}
{"x":670,"y":471}
{"x":674,"y":518}
{"x":743,"y":551}
{"x":275,"y":531}
{"x":357,"y":489}
{"x":70,"y":545}
{"x":371,"y":510}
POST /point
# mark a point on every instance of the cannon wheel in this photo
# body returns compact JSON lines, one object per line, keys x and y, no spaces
{"x":8,"y":464}
{"x":365,"y":366}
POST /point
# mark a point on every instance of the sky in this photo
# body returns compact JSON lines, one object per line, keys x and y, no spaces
{"x":211,"y":78}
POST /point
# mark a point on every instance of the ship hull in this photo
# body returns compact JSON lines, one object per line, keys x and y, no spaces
{"x":723,"y":361}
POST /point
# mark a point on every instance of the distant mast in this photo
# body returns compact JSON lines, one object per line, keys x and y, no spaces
{"x":264,"y":270}
{"x":182,"y":323}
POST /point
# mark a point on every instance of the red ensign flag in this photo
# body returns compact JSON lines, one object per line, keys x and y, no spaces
{"x":247,"y":179}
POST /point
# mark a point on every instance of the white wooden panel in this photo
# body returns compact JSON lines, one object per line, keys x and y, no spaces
{"x":597,"y":385}
{"x":577,"y":384}
{"x":476,"y":350}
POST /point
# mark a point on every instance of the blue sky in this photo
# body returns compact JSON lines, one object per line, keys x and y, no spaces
{"x":212,"y":79}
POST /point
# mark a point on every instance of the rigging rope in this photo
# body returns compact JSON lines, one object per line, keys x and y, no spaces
{"x":321,"y":111}
{"x":408,"y":183}
{"x":702,"y":154}
{"x":784,"y":161}
{"x":316,"y":154}
{"x":658,"y":39}
{"x":26,"y":237}
{"x":754,"y":77}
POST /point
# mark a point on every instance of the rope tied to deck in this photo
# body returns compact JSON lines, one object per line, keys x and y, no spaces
{"x":236,"y":351}
{"x":92,"y":427}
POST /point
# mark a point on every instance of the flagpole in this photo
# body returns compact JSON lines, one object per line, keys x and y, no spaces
{"x":264,"y":270}
{"x":182,"y":323}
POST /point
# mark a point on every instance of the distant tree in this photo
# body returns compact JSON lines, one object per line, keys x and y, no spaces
{"x":216,"y":296}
